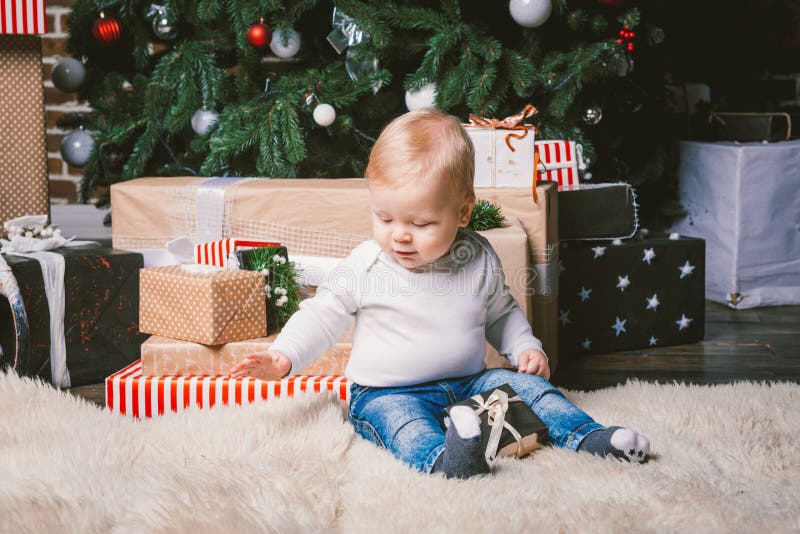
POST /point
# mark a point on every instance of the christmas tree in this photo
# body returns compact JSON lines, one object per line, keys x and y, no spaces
{"x":301,"y":88}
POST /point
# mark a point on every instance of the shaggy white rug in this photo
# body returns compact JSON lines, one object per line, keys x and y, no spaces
{"x":727,"y":459}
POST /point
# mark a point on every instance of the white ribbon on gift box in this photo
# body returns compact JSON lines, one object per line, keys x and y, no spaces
{"x":52,"y":266}
{"x":496,"y":406}
{"x":210,"y":216}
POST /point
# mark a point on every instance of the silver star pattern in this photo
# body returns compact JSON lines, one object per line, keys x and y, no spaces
{"x":623,"y":282}
{"x":598,"y":251}
{"x":652,"y":302}
{"x":684,"y":322}
{"x":649,"y":254}
{"x":686,"y":269}
{"x":619,"y":326}
{"x":563,"y":316}
{"x":584,"y":293}
{"x":586,"y":344}
{"x":653,"y":341}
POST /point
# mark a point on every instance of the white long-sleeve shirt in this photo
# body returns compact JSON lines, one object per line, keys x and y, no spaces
{"x":411,"y":327}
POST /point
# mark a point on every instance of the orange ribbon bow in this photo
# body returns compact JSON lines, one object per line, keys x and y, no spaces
{"x":512,"y":122}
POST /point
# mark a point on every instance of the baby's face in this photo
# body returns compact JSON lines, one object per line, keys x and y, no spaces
{"x":416,"y":223}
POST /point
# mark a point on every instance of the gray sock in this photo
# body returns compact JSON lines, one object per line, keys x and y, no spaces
{"x":463,"y":454}
{"x":617,"y":442}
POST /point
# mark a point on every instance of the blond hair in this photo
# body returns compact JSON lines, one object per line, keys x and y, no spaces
{"x":424,"y":144}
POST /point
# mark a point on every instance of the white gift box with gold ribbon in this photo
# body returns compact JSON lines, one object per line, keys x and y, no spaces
{"x":504,"y":150}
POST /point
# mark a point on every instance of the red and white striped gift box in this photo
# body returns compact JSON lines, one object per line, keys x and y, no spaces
{"x":22,"y":17}
{"x":130,"y":393}
{"x":216,"y":252}
{"x":560,"y":161}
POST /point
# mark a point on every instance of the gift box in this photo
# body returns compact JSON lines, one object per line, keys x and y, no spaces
{"x":22,"y":17}
{"x":217,"y":253}
{"x":743,"y":200}
{"x":98,"y":330}
{"x":131,"y":394}
{"x":321,"y":220}
{"x":504,"y":150}
{"x":597,"y":211}
{"x":202,"y":304}
{"x":560,"y":161}
{"x":632,"y":294}
{"x":162,"y":356}
{"x":23,"y":156}
{"x":510,"y":428}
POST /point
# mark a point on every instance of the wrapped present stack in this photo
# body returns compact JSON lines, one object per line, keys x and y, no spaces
{"x":618,"y":288}
{"x":69,"y":310}
{"x":206,"y":317}
{"x":321,"y":220}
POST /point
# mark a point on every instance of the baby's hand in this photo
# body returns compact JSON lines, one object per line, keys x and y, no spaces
{"x":533,"y":362}
{"x":264,"y":365}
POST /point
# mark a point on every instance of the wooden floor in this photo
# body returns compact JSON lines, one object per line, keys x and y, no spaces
{"x":758,"y":344}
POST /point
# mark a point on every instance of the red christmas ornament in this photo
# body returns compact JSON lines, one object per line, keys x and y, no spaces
{"x":626,"y":37}
{"x":259,"y":35}
{"x":106,"y":30}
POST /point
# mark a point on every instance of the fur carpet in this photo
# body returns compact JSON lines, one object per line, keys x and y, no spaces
{"x":727,"y":459}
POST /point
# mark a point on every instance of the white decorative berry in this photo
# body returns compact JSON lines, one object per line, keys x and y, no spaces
{"x":265,"y":272}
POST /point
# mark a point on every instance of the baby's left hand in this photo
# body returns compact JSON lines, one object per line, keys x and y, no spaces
{"x":533,"y":362}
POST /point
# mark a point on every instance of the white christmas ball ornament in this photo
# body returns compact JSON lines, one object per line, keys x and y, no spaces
{"x":424,"y":97}
{"x":203,"y":119}
{"x":530,"y":13}
{"x":324,"y":114}
{"x":291,"y":39}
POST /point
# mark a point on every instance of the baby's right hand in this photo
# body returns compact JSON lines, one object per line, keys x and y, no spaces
{"x":270,"y":365}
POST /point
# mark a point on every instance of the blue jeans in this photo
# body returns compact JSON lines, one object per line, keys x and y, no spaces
{"x":409,"y":420}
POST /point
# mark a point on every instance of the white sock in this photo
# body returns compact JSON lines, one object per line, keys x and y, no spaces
{"x":466,"y":421}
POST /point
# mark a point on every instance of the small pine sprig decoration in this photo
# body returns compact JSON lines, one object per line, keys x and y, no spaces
{"x":281,"y":287}
{"x":485,"y":216}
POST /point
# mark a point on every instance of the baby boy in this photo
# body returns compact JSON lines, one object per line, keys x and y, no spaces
{"x":425,"y":295}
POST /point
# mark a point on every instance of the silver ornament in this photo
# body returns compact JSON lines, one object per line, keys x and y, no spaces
{"x":592,"y":115}
{"x":285,"y":43}
{"x":76,"y":147}
{"x":164,"y":28}
{"x":68,"y":75}
{"x":165,"y":23}
{"x":203,"y":119}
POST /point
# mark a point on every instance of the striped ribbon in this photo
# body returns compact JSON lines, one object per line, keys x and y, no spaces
{"x":22,"y":17}
{"x":130,"y":393}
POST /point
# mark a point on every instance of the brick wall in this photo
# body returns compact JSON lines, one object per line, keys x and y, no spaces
{"x":64,"y":179}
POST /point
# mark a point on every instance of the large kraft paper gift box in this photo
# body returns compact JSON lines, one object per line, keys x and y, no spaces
{"x":211,"y":306}
{"x":163,"y":356}
{"x":744,"y":200}
{"x":321,"y":220}
{"x":23,"y":156}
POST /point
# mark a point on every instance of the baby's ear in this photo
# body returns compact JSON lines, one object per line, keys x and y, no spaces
{"x":466,"y":212}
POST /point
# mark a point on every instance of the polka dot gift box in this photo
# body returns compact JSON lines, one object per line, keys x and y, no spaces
{"x":23,"y":157}
{"x":202,"y":304}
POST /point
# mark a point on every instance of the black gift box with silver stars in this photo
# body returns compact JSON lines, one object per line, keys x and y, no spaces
{"x":631,"y":294}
